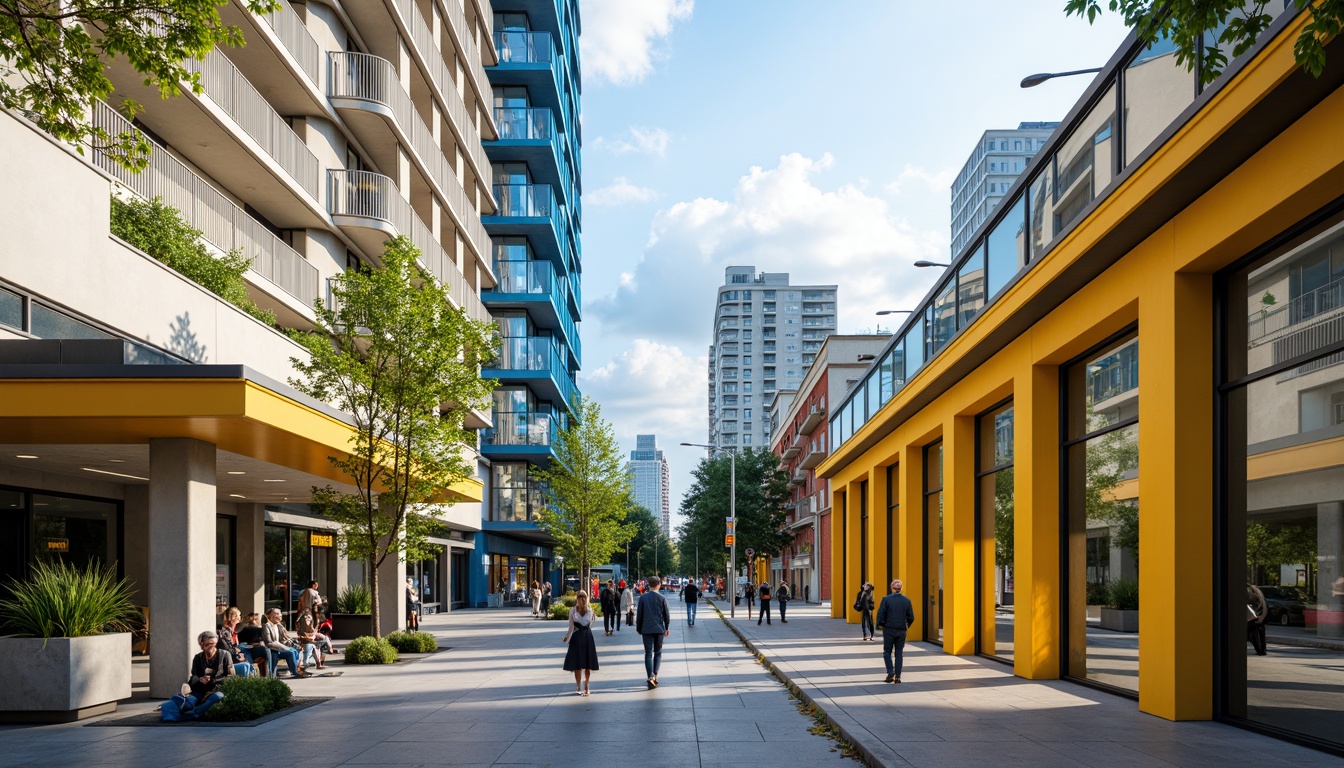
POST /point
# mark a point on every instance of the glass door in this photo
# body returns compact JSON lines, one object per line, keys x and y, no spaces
{"x":933,"y":542}
{"x":994,"y":542}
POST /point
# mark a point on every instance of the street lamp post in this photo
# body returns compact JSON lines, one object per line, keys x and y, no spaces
{"x":1031,"y":81}
{"x":923,"y":263}
{"x":732,"y":517}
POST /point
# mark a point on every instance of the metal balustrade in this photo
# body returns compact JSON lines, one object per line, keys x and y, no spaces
{"x":535,"y":124}
{"x":423,"y":39}
{"x":1304,"y":308}
{"x":527,"y":429}
{"x":221,"y":223}
{"x":292,"y":33}
{"x":231,"y":92}
{"x":367,"y":77}
{"x":366,"y":194}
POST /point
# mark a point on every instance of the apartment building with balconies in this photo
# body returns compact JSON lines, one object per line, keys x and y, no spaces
{"x":150,"y":424}
{"x":766,"y":335}
{"x":537,"y":259}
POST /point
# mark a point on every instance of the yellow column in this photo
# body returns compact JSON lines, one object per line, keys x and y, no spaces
{"x":959,"y":536}
{"x":839,"y":587}
{"x":877,"y":531}
{"x":910,"y":535}
{"x":1176,"y":498}
{"x":1036,"y":612}
{"x":853,"y":527}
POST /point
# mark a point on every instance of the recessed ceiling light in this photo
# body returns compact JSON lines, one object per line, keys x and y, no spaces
{"x":118,"y":474}
{"x":116,"y":461}
{"x":237,"y":473}
{"x":272,"y":481}
{"x":237,"y":496}
{"x":24,"y":456}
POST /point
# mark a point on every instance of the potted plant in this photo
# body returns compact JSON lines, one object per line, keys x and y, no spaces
{"x":67,"y":650}
{"x":1096,"y":596}
{"x":353,"y":616}
{"x":1121,"y":611}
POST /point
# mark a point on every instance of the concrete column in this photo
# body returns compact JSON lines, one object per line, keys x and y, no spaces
{"x":392,"y":594}
{"x":877,"y":529}
{"x":1329,"y":551}
{"x":1037,"y":589}
{"x":910,"y":536}
{"x":181,"y":557}
{"x":854,"y":576}
{"x":959,"y":536}
{"x":1176,"y":498}
{"x":251,"y":566}
{"x":842,"y":597}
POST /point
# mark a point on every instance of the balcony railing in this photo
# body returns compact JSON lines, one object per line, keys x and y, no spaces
{"x":366,"y":77}
{"x":365,"y":194}
{"x":1305,"y":307}
{"x":294,"y":36}
{"x":232,"y":93}
{"x":221,"y":222}
{"x":521,"y":429}
{"x":539,"y":278}
{"x":442,"y":77}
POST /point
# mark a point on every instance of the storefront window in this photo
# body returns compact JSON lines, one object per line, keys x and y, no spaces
{"x":277,"y":568}
{"x":1102,"y":530}
{"x":224,"y":542}
{"x":1283,"y":605}
{"x":933,"y":538}
{"x":995,"y":460}
{"x":75,"y":531}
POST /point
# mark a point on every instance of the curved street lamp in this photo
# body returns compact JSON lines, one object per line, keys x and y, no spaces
{"x":894,"y":311}
{"x":923,"y":263}
{"x":1031,"y":81}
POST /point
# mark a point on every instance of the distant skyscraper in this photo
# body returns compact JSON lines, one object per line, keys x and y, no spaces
{"x":766,"y":334}
{"x":649,"y":472}
{"x":990,"y":170}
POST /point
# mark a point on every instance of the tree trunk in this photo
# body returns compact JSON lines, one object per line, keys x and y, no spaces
{"x":373,"y":576}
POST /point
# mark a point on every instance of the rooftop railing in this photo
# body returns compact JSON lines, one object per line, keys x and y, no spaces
{"x":366,"y":194}
{"x":367,"y":77}
{"x":203,"y":207}
{"x":231,"y":91}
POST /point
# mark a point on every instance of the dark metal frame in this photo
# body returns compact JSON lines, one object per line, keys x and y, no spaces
{"x":980,"y":474}
{"x":930,"y":634}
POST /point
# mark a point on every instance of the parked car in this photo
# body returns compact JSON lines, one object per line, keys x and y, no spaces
{"x":1286,"y":605}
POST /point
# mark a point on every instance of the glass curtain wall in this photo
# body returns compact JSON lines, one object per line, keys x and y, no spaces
{"x":291,"y":561}
{"x":1282,"y":625}
{"x":1102,"y":519}
{"x":995,"y":525}
{"x":933,"y":542}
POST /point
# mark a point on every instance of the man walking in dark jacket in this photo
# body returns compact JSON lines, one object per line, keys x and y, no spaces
{"x":607,"y":599}
{"x":653,"y":621}
{"x":894,"y":617}
{"x":690,"y":594}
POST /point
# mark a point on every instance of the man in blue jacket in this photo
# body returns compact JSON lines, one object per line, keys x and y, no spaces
{"x":894,"y":617}
{"x":653,"y":621}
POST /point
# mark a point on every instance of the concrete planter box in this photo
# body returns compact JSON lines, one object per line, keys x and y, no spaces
{"x":348,"y":626}
{"x":1119,"y":621}
{"x":68,"y":678}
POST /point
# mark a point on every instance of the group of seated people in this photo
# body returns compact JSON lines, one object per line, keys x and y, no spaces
{"x":247,"y":650}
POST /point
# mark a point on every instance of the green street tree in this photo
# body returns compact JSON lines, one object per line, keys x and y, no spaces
{"x":762,"y":490}
{"x":404,"y":364}
{"x":53,"y":57}
{"x":588,"y":492}
{"x":1233,"y":26}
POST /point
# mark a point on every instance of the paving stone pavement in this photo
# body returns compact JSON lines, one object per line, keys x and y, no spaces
{"x":970,"y":711}
{"x":497,"y":697}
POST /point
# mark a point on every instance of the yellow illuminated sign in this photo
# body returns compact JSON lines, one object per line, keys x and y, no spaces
{"x":321,"y":539}
{"x":58,"y":545}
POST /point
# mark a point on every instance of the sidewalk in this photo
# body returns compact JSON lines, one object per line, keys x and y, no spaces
{"x":496,"y":697}
{"x":971,"y":711}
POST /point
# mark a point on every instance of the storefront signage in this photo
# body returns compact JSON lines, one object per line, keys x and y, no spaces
{"x":58,"y":545}
{"x":316,"y":539}
{"x":728,"y":540}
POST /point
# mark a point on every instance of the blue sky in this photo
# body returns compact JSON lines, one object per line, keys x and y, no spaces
{"x":819,"y":143}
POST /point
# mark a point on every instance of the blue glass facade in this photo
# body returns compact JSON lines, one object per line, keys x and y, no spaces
{"x":537,"y":260}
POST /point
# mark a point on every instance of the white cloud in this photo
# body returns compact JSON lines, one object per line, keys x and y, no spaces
{"x":935,"y":181}
{"x":652,"y":388}
{"x":647,"y":141}
{"x":779,"y":220}
{"x":619,"y":192}
{"x":620,"y":37}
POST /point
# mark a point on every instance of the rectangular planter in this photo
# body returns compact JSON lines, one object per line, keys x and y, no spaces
{"x":1119,"y":621}
{"x":64,"y":678}
{"x":348,"y":626}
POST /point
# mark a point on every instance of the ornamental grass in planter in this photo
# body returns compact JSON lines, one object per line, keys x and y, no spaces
{"x":69,"y":651}
{"x":353,"y":616}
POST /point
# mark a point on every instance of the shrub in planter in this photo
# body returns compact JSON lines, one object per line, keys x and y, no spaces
{"x":247,"y":698}
{"x":1123,"y":595}
{"x":1096,"y":593}
{"x":354,"y":599}
{"x":568,"y":601}
{"x":559,"y":611}
{"x":412,"y":642}
{"x":369,"y":650}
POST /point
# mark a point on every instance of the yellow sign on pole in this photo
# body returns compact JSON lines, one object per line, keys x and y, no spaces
{"x":728,"y":540}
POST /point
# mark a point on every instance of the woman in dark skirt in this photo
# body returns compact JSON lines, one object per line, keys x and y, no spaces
{"x":581,"y":658}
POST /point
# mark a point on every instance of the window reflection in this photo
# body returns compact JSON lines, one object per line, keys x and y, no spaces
{"x":1007,"y":248}
{"x":1085,"y":162}
{"x":1157,"y":88}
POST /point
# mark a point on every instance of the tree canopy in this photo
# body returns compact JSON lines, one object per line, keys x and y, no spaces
{"x":53,"y":57}
{"x":588,"y":492}
{"x":1228,"y":27}
{"x":391,"y":354}
{"x":761,"y":492}
{"x":650,"y":551}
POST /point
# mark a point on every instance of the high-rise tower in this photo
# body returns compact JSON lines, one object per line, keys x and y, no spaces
{"x":650,"y":475}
